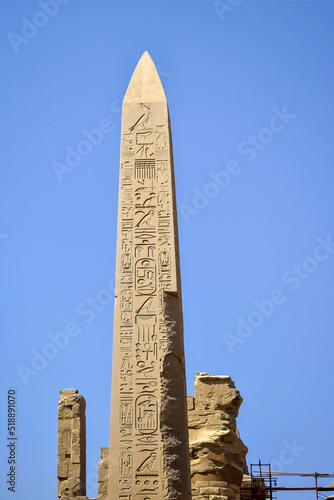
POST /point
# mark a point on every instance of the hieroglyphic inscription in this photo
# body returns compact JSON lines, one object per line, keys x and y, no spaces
{"x":146,"y":266}
{"x":144,"y":169}
{"x":146,"y":414}
{"x":145,"y":276}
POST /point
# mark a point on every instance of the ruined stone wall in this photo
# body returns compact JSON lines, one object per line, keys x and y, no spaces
{"x":71,"y":445}
{"x":217,"y":454}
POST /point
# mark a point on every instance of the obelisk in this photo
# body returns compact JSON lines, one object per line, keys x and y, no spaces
{"x":149,"y":453}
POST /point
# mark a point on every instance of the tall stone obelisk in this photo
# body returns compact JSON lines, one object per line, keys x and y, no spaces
{"x":149,"y":454}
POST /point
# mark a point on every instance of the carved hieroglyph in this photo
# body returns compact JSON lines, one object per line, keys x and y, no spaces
{"x":148,"y":433}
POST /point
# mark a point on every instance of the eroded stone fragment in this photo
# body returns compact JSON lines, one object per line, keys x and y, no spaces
{"x":217,"y":454}
{"x":102,"y":485}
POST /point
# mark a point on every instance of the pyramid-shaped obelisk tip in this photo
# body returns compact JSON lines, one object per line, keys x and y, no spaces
{"x":145,"y":84}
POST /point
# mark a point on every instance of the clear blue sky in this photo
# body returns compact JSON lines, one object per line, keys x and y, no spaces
{"x":250,"y":91}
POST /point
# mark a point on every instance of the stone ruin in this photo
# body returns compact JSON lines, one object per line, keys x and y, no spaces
{"x":149,"y":456}
{"x":217,"y":454}
{"x":71,"y":468}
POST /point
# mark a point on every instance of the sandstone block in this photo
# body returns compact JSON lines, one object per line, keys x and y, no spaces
{"x":74,"y":470}
{"x":103,"y":464}
{"x":220,"y":484}
{"x":105,"y":452}
{"x":210,"y":490}
{"x":64,"y":425}
{"x":76,"y":423}
{"x":229,"y":492}
{"x":62,"y":471}
{"x":65,"y":411}
{"x":190,"y":402}
{"x":103,"y":475}
{"x":68,"y":392}
{"x":64,"y":488}
{"x":102,"y":489}
{"x":219,"y":497}
{"x":78,"y":409}
{"x":216,"y":392}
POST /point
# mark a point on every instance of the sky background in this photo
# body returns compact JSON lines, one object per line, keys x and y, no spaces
{"x":250,"y":91}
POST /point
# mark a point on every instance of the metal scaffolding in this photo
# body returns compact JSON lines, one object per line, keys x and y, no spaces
{"x":262,"y":483}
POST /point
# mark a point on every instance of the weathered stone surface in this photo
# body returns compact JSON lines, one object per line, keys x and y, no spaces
{"x":213,"y":392}
{"x":217,"y":454}
{"x":102,"y":485}
{"x":103,"y":474}
{"x":209,"y":490}
{"x":219,"y":497}
{"x":148,"y":431}
{"x":68,"y":392}
{"x":62,"y":471}
{"x":210,"y":497}
{"x":71,"y":468}
{"x":190,"y":402}
{"x":221,"y":484}
{"x":104,"y":453}
{"x":227,"y":491}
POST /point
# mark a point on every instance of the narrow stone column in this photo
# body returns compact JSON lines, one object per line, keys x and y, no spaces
{"x":71,"y":445}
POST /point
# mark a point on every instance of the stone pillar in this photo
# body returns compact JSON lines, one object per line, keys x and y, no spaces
{"x":217,"y":454}
{"x":102,"y":485}
{"x":71,"y":445}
